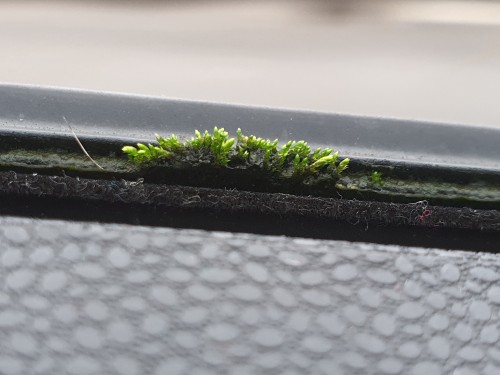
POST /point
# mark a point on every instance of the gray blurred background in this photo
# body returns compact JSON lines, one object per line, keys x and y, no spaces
{"x":429,"y":60}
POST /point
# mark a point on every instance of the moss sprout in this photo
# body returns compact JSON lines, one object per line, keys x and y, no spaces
{"x":295,"y":159}
{"x":376,"y":178}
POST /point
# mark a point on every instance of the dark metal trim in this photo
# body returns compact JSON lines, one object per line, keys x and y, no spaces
{"x":119,"y":116}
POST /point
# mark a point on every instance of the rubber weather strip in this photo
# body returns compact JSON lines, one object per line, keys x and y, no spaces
{"x":407,"y":183}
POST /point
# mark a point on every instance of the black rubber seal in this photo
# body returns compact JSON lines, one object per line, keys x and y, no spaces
{"x":135,"y":202}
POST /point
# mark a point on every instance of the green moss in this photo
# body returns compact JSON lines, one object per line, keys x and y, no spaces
{"x":293,"y":160}
{"x":376,"y":178}
{"x":254,"y":164}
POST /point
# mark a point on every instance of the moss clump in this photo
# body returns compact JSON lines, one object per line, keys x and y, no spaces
{"x":293,"y":160}
{"x":376,"y":178}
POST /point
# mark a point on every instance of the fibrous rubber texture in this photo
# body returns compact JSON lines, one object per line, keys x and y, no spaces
{"x":418,"y":214}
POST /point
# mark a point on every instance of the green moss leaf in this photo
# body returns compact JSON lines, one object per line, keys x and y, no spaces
{"x":293,"y":159}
